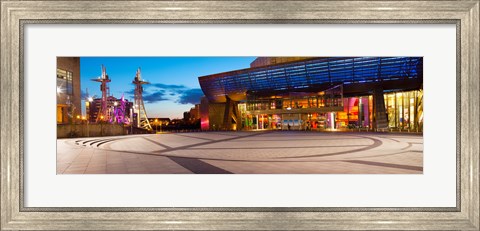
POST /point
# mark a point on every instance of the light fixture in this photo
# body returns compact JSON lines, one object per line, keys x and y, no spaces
{"x":332,"y":120}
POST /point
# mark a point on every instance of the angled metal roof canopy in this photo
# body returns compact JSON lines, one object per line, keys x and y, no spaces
{"x":310,"y":74}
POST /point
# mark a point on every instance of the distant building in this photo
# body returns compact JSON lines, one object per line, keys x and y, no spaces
{"x":159,"y":121}
{"x":176,"y":122}
{"x":193,"y":114}
{"x":113,"y":104}
{"x":186,"y":116}
{"x":68,"y":90}
{"x":159,"y":124}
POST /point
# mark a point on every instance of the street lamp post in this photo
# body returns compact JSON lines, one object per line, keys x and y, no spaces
{"x":101,"y":125}
{"x":76,"y":122}
{"x":115,"y":104}
{"x":131,"y":121}
{"x":69,"y":113}
{"x":87,"y":107}
{"x":84,"y":121}
{"x":156,"y":125}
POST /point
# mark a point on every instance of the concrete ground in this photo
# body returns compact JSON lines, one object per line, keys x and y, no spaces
{"x":274,"y":152}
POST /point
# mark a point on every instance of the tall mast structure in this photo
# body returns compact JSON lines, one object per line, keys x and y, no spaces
{"x":142,"y":119}
{"x":103,"y":80}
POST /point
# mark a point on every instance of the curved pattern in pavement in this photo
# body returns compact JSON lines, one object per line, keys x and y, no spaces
{"x":210,"y":152}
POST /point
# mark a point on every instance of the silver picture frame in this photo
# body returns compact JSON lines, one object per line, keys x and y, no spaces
{"x":16,"y":14}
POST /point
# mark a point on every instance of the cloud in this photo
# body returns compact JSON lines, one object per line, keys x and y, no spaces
{"x":175,"y":89}
{"x":171,"y":92}
{"x":130,"y":92}
{"x":155,"y":97}
{"x":190,"y":96}
{"x":168,"y":86}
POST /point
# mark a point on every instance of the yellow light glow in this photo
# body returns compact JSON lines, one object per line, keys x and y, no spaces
{"x":332,"y":121}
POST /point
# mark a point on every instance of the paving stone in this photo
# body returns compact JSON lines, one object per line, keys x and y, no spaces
{"x":287,"y":152}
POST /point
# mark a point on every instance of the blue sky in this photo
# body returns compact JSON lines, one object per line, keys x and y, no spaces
{"x":174,"y":84}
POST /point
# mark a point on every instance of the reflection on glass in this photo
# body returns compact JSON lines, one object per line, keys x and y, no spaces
{"x":404,"y":110}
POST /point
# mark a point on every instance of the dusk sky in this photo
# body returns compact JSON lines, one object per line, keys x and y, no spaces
{"x":174,"y":86}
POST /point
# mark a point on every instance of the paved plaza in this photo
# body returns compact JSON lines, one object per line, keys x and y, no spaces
{"x":270,"y":152}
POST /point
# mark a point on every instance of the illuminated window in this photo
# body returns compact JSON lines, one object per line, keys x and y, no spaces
{"x":65,"y":81}
{"x":405,"y":110}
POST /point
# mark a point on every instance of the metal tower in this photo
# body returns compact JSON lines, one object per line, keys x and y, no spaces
{"x":103,"y":114}
{"x":142,"y":119}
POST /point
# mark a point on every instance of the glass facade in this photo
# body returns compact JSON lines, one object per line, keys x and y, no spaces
{"x":357,"y":113}
{"x":404,"y":112}
{"x":297,"y":100}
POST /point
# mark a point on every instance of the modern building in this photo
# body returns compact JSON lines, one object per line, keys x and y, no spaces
{"x":115,"y":111}
{"x":68,"y":90}
{"x":321,"y":93}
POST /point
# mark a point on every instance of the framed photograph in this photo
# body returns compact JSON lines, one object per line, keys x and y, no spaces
{"x":228,"y":115}
{"x":277,"y":115}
